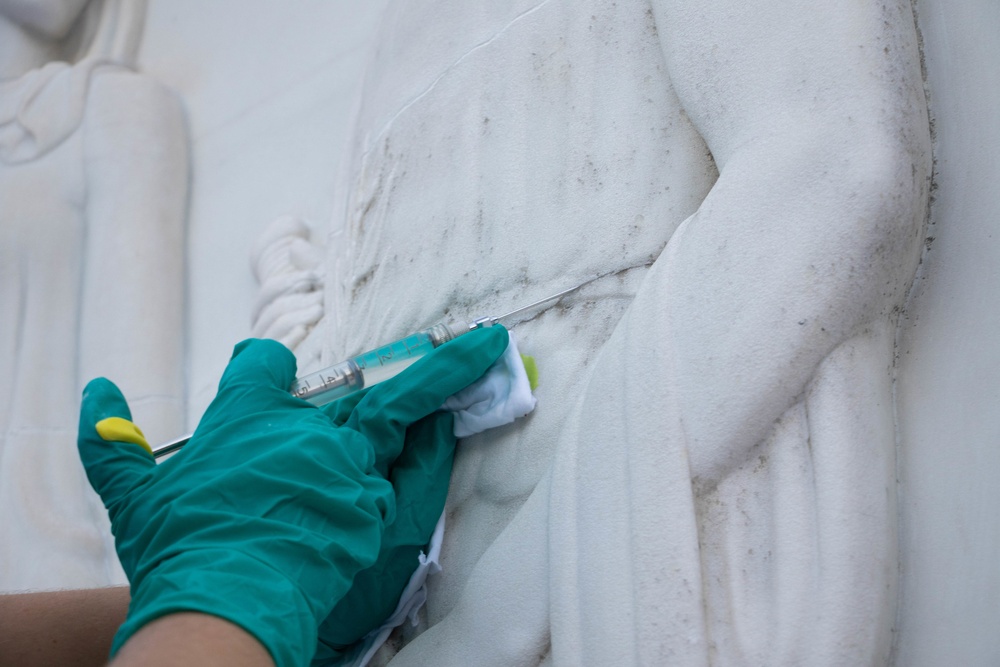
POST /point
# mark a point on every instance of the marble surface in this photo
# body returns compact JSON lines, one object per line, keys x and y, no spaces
{"x":709,"y":477}
{"x":279,"y":123}
{"x":949,"y":360}
{"x":93,"y":185}
{"x":270,"y":92}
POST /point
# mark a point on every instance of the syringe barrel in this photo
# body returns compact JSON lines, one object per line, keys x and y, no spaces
{"x":370,"y":368}
{"x":329,"y":384}
{"x":362,"y":371}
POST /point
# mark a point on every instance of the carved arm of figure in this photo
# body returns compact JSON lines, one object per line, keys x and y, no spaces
{"x":816,"y":119}
{"x":767,"y":330}
{"x":136,"y":165}
{"x":768,"y":322}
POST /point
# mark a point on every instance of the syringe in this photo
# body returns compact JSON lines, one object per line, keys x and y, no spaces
{"x":374,"y":366}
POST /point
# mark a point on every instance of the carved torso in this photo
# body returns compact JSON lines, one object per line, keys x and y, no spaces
{"x":492,"y":170}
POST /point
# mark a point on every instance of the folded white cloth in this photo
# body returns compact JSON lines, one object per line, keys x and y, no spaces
{"x":502,"y":395}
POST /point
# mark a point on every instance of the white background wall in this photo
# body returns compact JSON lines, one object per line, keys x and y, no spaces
{"x":949,"y":370}
{"x":268,"y":87}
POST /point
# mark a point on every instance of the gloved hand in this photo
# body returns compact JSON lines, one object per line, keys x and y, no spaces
{"x":420,"y":476}
{"x":271,"y":509}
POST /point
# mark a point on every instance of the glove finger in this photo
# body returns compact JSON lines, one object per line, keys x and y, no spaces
{"x":421,"y":472}
{"x":113,"y":450}
{"x":339,"y":411}
{"x":257,"y":378}
{"x":391,"y":406}
{"x":260,"y":361}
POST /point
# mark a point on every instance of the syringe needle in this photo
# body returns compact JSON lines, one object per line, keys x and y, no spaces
{"x":541,"y":301}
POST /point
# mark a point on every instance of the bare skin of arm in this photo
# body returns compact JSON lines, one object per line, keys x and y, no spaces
{"x":72,"y":627}
{"x":76,"y":627}
{"x":192,"y":640}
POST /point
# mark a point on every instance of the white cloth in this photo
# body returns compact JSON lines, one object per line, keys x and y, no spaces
{"x":502,"y":395}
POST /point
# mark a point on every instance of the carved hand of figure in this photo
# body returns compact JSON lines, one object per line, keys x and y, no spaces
{"x":289,"y":270}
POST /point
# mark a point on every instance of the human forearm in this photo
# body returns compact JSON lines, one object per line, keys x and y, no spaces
{"x":193,"y":640}
{"x":71,"y":627}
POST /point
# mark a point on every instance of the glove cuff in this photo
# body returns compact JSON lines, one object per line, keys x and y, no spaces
{"x":233,"y":586}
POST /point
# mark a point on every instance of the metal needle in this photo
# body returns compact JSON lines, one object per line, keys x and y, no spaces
{"x":541,"y":301}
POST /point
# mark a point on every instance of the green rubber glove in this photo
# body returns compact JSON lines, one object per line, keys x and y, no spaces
{"x":270,"y":511}
{"x":420,"y":476}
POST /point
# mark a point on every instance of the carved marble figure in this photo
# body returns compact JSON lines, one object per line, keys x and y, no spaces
{"x":93,"y":181}
{"x":708,"y":478}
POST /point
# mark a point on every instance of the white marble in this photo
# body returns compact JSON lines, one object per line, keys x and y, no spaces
{"x":499,"y":152}
{"x":289,"y":268}
{"x":93,"y":183}
{"x":267,"y":101}
{"x":269,"y":89}
{"x":709,"y":477}
{"x":949,"y":360}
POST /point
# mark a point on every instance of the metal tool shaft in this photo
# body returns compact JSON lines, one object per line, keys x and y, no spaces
{"x":541,"y":301}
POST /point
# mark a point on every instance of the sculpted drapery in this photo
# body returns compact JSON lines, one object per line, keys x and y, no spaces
{"x":709,"y":475}
{"x":93,"y":181}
